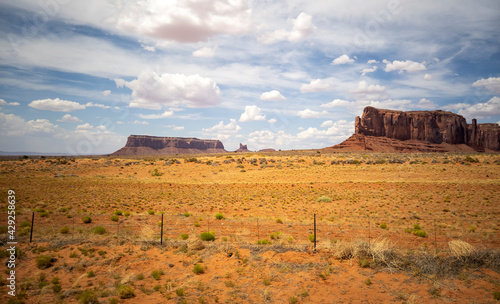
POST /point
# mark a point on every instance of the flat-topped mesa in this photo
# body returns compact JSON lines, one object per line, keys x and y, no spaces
{"x":431,"y":126}
{"x":154,"y":145}
{"x":420,"y":131}
{"x":242,"y":148}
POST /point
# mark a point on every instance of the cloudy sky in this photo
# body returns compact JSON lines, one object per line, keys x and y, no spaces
{"x":78,"y":77}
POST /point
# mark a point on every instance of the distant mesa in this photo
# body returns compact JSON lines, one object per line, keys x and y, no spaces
{"x":267,"y":150}
{"x":419,"y":131}
{"x":155,"y":145}
{"x":242,"y":148}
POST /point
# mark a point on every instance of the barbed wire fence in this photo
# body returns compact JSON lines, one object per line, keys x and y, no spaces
{"x":432,"y":234}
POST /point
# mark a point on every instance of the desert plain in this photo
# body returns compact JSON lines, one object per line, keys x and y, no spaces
{"x":239,"y":228}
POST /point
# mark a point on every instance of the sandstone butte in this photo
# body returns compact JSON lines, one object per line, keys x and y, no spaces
{"x":419,"y":131}
{"x":154,"y":145}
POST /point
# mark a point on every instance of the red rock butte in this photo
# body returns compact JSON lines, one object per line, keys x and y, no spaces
{"x":155,"y":145}
{"x":419,"y":131}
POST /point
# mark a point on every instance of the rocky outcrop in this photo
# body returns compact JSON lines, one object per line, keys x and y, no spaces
{"x":420,"y":131}
{"x":155,"y":145}
{"x":242,"y":148}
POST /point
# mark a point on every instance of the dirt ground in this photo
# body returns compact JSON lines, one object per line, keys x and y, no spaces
{"x":260,"y":208}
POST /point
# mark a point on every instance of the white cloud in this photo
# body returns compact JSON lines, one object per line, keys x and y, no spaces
{"x":204,"y":52}
{"x":57,"y":105}
{"x":336,"y":103}
{"x":337,"y":130}
{"x":153,"y":91}
{"x":302,"y":27}
{"x":368,"y":70}
{"x":138,"y":122}
{"x":426,"y":104}
{"x":272,"y":120}
{"x":327,"y":123}
{"x":478,"y":110}
{"x":407,"y":65}
{"x":371,"y":61}
{"x":492,"y":84}
{"x":308,"y":113}
{"x":272,"y":96}
{"x":69,"y":118}
{"x":427,"y":77}
{"x":316,"y":85}
{"x":267,"y":139}
{"x":4,"y":103}
{"x":185,"y":21}
{"x":178,"y":128}
{"x":342,"y":60}
{"x":252,"y":113}
{"x":120,"y":83}
{"x":106,"y":93}
{"x":148,"y":48}
{"x":12,"y":125}
{"x":97,"y":105}
{"x":231,"y":128}
{"x":165,"y":114}
{"x":369,"y":91}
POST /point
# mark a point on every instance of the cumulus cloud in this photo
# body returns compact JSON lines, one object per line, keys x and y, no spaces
{"x":327,"y":123}
{"x":4,"y":103}
{"x":231,"y":127}
{"x":302,"y":27}
{"x":336,"y":130}
{"x":368,"y":70}
{"x":97,"y":105}
{"x":138,"y":122}
{"x":336,"y":103}
{"x":266,"y":139}
{"x":185,"y":21}
{"x":252,"y":113}
{"x":12,"y":125}
{"x":272,"y":120}
{"x":204,"y":52}
{"x":342,"y":60}
{"x":407,"y":65}
{"x":57,"y":105}
{"x":369,"y":91}
{"x":165,"y":114}
{"x":478,"y":110}
{"x":316,"y":85}
{"x":272,"y":96}
{"x":308,"y":113}
{"x":106,"y":93}
{"x":492,"y":84}
{"x":371,"y":61}
{"x":69,"y":118}
{"x":427,"y":77}
{"x":153,"y":91}
{"x":426,"y":104}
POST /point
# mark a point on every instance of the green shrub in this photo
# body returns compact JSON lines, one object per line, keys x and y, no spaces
{"x":56,"y":288}
{"x":64,"y":230}
{"x":417,"y":227}
{"x":88,"y":297}
{"x":140,"y":276}
{"x":198,"y":269}
{"x":126,"y":292}
{"x":186,"y":214}
{"x":113,"y":301}
{"x":86,"y":219}
{"x":219,"y":216}
{"x":156,"y":274}
{"x":324,"y":199}
{"x":207,"y":236}
{"x":420,"y":233}
{"x":127,"y":213}
{"x":311,"y":237}
{"x":184,"y":236}
{"x":25,"y":224}
{"x":279,"y":221}
{"x":383,"y":226}
{"x":179,"y":292}
{"x":293,"y":300}
{"x":118,"y":212}
{"x":496,"y":295}
{"x":151,"y":212}
{"x":196,"y":224}
{"x":43,"y":261}
{"x":115,"y":218}
{"x":90,"y":274}
{"x":44,"y":214}
{"x":99,"y":230}
{"x":156,"y":172}
{"x":263,"y":242}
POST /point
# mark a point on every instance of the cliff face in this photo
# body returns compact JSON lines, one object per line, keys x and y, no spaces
{"x":151,"y":145}
{"x":421,"y":131}
{"x":242,"y":148}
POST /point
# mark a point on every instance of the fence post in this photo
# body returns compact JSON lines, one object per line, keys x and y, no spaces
{"x":315,"y":233}
{"x":32,"y":220}
{"x":161,"y":237}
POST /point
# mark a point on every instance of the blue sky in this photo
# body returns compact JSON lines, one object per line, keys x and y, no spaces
{"x":78,"y":77}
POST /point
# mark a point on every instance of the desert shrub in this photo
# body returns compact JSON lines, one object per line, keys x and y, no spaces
{"x":156,"y":274}
{"x":311,"y":238}
{"x":279,"y":221}
{"x":87,"y":219}
{"x":88,"y":297}
{"x":113,"y":301}
{"x":420,"y":233}
{"x":118,"y":212}
{"x":461,"y":250}
{"x":196,"y":224}
{"x":3,"y":229}
{"x":99,"y":230}
{"x":186,"y":214}
{"x":101,"y":252}
{"x":472,"y":228}
{"x":151,"y":212}
{"x":126,"y":292}
{"x":56,"y":288}
{"x":140,"y":276}
{"x":293,"y":300}
{"x":324,"y":199}
{"x":471,"y":159}
{"x":44,"y":261}
{"x":383,"y":226}
{"x":127,"y":213}
{"x":263,"y":242}
{"x":207,"y":236}
{"x":496,"y":295}
{"x":156,"y":172}
{"x":115,"y":218}
{"x":368,"y":282}
{"x":219,"y":216}
{"x":25,"y":224}
{"x":184,"y":236}
{"x":64,"y":230}
{"x":90,"y":274}
{"x":179,"y":292}
{"x":417,"y":227}
{"x":198,"y":269}
{"x":44,"y":214}
{"x":275,"y":235}
{"x":364,"y":263}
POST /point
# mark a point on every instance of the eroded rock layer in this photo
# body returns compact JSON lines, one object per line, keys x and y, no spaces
{"x":155,"y":145}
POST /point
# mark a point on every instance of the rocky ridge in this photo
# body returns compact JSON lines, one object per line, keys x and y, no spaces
{"x":155,"y":145}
